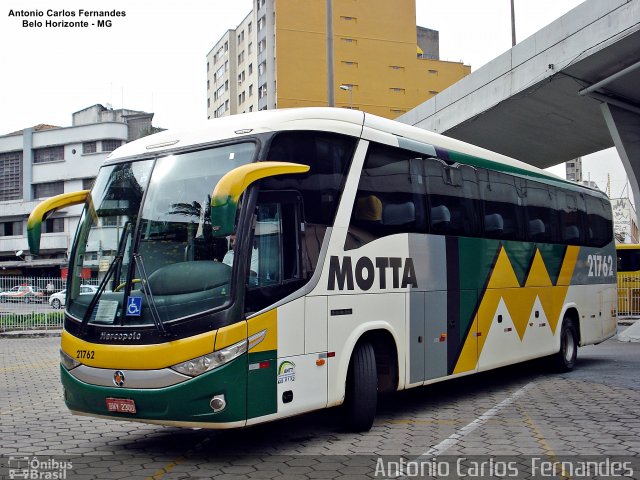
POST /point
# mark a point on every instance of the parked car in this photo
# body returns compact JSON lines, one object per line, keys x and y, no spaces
{"x":58,"y":300}
{"x":22,"y":293}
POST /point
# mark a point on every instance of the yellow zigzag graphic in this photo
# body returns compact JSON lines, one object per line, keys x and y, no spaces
{"x":519,"y":301}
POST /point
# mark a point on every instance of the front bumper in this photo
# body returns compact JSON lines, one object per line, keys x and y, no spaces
{"x":187,"y":402}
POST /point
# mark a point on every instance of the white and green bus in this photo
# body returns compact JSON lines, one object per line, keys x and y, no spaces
{"x":279,"y":262}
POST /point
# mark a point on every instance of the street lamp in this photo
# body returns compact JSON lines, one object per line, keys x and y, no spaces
{"x":348,"y":88}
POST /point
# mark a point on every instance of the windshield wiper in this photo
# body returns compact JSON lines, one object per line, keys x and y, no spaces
{"x":115,"y":266}
{"x":148,"y":295}
{"x":96,"y":297}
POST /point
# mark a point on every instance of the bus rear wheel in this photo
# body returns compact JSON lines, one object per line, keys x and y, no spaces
{"x":565,"y":359}
{"x":361,"y":396}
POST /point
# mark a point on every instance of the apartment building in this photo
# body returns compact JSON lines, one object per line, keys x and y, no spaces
{"x":46,"y":160}
{"x":277,"y":58}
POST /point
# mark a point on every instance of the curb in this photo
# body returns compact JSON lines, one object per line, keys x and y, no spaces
{"x":31,"y":334}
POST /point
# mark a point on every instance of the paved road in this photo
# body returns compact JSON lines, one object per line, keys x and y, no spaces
{"x":506,"y":418}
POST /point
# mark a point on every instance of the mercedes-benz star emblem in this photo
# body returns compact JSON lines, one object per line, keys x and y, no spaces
{"x":118,"y":378}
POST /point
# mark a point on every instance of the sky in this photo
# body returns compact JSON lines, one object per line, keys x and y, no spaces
{"x":154,"y":58}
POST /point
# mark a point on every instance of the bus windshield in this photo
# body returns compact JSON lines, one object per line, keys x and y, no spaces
{"x":146,"y":234}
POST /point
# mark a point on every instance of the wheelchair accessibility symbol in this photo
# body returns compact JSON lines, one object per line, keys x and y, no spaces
{"x":134,"y":306}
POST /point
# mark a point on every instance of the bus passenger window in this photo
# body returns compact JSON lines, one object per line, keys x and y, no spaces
{"x":600,"y":227}
{"x":500,"y":197}
{"x":542,"y":218}
{"x":390,"y":198}
{"x":572,"y":213}
{"x":453,"y":198}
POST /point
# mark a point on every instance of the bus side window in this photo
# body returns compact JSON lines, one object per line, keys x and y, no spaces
{"x":390,"y":198}
{"x":599,"y":222}
{"x":501,"y":198}
{"x":453,"y":198}
{"x":572,"y":215}
{"x":542,"y":218}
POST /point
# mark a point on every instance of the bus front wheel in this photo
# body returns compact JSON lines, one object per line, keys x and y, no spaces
{"x":361,"y":396}
{"x":565,"y":359}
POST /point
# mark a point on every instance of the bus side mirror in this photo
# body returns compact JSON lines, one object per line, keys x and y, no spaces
{"x":225,"y":196}
{"x":46,"y":208}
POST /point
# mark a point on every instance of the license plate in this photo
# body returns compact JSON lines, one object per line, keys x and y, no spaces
{"x":121,"y":405}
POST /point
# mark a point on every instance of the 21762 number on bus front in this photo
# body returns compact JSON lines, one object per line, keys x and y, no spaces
{"x":600,"y":265}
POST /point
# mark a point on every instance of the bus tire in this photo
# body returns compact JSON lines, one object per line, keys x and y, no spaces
{"x":361,"y":396}
{"x":565,"y":359}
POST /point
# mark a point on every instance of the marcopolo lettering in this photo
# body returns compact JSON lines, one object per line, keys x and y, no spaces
{"x":120,"y":336}
{"x":342,"y":276}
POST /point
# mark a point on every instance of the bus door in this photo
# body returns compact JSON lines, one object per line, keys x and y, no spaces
{"x":293,"y":381}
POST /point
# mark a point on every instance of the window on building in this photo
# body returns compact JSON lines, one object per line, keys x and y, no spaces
{"x":262,"y":91}
{"x":262,"y":23}
{"x":218,"y":54}
{"x":8,"y":229}
{"x":250,"y":48}
{"x":89,"y":147}
{"x":250,"y":27}
{"x":219,"y":92}
{"x":53,"y":225}
{"x":396,"y":67}
{"x":49,"y":189}
{"x":262,"y":68}
{"x":250,"y":89}
{"x":397,"y":90}
{"x":207,"y":66}
{"x":241,"y":57}
{"x":251,"y":108}
{"x":348,"y":19}
{"x":10,"y":176}
{"x":87,"y":183}
{"x":219,"y":111}
{"x":219,"y":73}
{"x":49,"y":154}
{"x":262,"y":45}
{"x":250,"y":68}
{"x":226,"y":85}
{"x":208,"y":84}
{"x":226,"y":46}
{"x":110,"y":145}
{"x":208,"y":103}
{"x":349,"y":63}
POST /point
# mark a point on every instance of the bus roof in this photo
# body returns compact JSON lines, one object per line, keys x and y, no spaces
{"x":339,"y":120}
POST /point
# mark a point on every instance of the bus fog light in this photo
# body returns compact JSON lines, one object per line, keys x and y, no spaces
{"x":218,"y":403}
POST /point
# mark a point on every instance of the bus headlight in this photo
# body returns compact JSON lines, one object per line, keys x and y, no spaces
{"x":67,"y":361}
{"x":197,"y":366}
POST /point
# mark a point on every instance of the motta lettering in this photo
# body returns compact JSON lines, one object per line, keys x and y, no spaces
{"x":342,"y":275}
